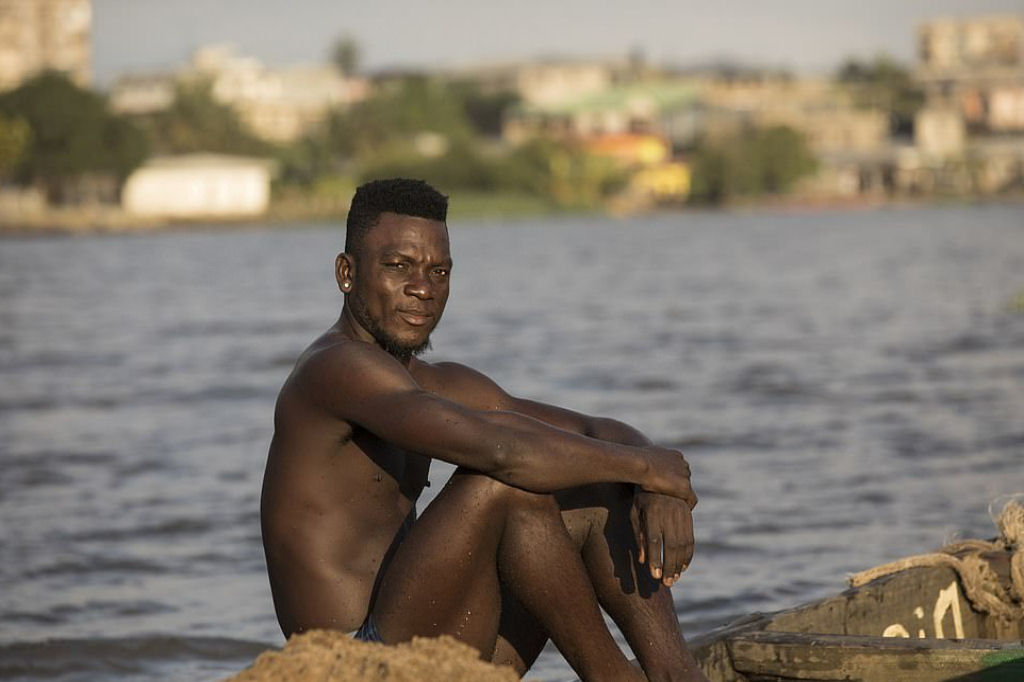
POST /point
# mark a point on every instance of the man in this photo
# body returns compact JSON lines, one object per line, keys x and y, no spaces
{"x":549,"y":513}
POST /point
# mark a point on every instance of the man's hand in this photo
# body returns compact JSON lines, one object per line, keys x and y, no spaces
{"x":663,"y":526}
{"x":669,"y":475}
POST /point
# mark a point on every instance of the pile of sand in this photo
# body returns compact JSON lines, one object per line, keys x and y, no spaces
{"x":328,"y":656}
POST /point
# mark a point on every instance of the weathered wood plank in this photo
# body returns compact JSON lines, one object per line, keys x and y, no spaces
{"x":711,"y":649}
{"x":919,"y":602}
{"x":769,"y":655}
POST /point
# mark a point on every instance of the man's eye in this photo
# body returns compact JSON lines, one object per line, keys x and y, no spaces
{"x":441,"y":272}
{"x":395,"y":266}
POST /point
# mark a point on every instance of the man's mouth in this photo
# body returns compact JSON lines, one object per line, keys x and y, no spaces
{"x":415,"y":318}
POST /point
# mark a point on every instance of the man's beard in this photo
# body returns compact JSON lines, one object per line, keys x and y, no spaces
{"x":392,"y":346}
{"x":400,"y":351}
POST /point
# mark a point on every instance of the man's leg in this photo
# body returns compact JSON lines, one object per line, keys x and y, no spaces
{"x":597,"y":518}
{"x":477,"y":537}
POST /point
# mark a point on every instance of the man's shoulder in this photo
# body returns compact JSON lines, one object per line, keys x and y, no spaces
{"x":334,"y":351}
{"x":335,"y":363}
{"x":444,"y":372}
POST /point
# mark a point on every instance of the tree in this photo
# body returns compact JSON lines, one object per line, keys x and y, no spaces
{"x":15,"y":135}
{"x":73,"y":135}
{"x":389,"y":121}
{"x":485,"y":111}
{"x":781,"y":157}
{"x":886,"y":85}
{"x":345,"y":55}
{"x":758,"y":161}
{"x":197,"y":122}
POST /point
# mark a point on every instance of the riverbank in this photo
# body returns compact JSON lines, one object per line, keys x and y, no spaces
{"x":292,"y":210}
{"x":98,"y":218}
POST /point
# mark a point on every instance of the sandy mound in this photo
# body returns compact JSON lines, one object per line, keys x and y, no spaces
{"x":327,"y":656}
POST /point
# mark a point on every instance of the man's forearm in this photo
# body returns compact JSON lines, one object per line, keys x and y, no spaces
{"x":542,"y":458}
{"x":522,"y":450}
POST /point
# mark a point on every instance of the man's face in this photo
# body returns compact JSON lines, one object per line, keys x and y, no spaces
{"x":400,"y":285}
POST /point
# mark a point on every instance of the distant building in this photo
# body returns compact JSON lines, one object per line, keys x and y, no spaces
{"x":651,"y":107}
{"x":630,"y":149}
{"x":546,"y":81}
{"x":653,"y":175}
{"x":141,"y":94}
{"x":276,"y":104}
{"x":815,"y":107}
{"x":975,"y":66}
{"x":970,"y":134}
{"x":291,"y":101}
{"x":199,"y":186}
{"x":949,"y":45}
{"x":939,"y":133}
{"x":554,"y":81}
{"x":36,"y":35}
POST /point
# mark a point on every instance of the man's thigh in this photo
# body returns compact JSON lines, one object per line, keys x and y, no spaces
{"x":442,"y":579}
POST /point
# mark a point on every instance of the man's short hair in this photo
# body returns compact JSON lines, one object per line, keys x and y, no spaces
{"x":394,"y":195}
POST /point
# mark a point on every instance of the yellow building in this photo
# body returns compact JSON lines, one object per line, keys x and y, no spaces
{"x":668,"y":180}
{"x":653,"y":173}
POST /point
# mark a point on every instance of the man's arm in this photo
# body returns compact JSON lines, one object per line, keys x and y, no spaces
{"x":663,"y":525}
{"x":365,"y":386}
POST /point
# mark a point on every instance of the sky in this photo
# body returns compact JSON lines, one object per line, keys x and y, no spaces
{"x":807,"y":36}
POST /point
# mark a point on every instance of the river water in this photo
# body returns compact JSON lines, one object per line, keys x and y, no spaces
{"x":848,"y":386}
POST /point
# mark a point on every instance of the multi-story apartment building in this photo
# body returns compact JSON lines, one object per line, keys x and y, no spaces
{"x":276,"y":104}
{"x":976,"y":67}
{"x":36,"y":35}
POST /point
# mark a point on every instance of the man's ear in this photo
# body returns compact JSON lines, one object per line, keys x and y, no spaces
{"x":345,"y":272}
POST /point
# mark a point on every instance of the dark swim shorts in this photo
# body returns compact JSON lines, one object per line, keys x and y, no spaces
{"x":367,"y":632}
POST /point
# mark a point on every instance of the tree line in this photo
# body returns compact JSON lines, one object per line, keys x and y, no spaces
{"x":54,"y":135}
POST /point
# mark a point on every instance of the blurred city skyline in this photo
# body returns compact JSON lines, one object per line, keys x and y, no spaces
{"x":806,"y":36}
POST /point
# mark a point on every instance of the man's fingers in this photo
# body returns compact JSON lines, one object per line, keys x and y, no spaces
{"x":684,"y":533}
{"x":688,"y":541}
{"x":673,"y":558}
{"x":654,"y":549}
{"x":678,"y":541}
{"x":688,"y":554}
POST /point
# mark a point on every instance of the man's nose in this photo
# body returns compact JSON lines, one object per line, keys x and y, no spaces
{"x":419,"y":285}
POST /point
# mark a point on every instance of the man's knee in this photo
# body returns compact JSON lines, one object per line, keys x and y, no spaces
{"x":493,"y":494}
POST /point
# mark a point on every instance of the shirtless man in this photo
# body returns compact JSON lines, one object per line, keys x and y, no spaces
{"x":549,"y":513}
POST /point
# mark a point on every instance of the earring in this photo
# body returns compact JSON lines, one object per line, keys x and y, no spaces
{"x":346,"y":285}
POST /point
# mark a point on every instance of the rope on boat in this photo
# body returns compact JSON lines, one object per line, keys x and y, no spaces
{"x":982,"y":585}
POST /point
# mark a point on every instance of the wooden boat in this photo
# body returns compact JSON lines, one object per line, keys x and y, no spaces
{"x":953,"y":615}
